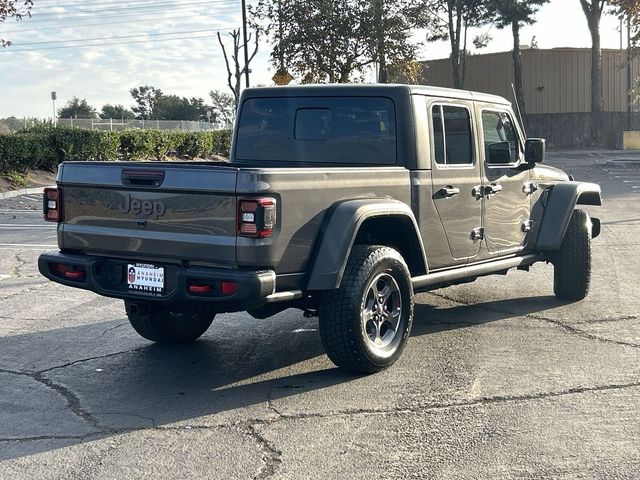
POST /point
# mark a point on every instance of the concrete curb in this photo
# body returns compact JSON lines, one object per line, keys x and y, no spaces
{"x":624,"y":161}
{"x":22,"y":191}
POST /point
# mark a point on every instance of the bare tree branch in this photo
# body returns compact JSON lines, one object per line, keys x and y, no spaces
{"x":226,"y":62}
{"x":233,"y":63}
{"x":9,"y":9}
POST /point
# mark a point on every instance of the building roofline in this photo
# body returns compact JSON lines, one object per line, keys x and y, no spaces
{"x":529,"y":50}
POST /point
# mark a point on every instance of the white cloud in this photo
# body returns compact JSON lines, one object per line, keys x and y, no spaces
{"x":91,"y":55}
{"x":39,"y":60}
{"x":186,"y":67}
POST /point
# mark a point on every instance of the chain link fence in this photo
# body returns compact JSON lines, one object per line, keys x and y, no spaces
{"x":111,"y":124}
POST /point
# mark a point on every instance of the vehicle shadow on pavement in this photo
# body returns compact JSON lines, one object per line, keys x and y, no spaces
{"x":237,"y":373}
{"x":429,"y":319}
{"x":113,"y":382}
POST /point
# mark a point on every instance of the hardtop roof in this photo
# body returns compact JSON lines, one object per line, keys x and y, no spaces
{"x":392,"y":90}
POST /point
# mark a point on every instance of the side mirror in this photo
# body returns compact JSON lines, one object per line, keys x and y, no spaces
{"x":535,"y":150}
{"x":499,"y":153}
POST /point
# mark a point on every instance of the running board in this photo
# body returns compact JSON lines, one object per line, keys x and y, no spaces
{"x":473,"y":271}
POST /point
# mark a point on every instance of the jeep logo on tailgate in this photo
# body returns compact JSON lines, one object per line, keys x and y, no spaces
{"x":149,"y":208}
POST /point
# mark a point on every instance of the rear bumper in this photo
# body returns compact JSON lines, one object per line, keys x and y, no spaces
{"x":107,"y":277}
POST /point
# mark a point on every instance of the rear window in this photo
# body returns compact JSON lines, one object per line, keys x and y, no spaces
{"x":317,"y":130}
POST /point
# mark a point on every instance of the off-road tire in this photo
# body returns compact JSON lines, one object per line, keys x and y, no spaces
{"x":341,"y":311}
{"x":159,"y":324}
{"x":572,"y":263}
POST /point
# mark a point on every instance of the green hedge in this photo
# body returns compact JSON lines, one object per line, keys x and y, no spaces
{"x":45,"y":146}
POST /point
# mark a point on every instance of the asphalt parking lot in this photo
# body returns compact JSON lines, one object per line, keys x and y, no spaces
{"x":499,"y":379}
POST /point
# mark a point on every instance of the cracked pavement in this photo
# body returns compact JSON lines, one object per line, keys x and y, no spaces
{"x":499,"y":379}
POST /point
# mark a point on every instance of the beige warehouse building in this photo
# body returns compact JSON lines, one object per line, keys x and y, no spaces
{"x":555,"y":81}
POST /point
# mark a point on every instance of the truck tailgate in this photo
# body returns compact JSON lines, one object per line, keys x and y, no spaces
{"x":166,"y":211}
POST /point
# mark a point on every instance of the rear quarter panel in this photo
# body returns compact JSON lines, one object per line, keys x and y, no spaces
{"x":304,"y":198}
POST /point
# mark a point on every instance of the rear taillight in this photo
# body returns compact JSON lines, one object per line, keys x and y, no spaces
{"x":52,"y":205}
{"x":256,"y":217}
{"x":200,"y":288}
{"x":211,"y":288}
{"x":228,"y":288}
{"x":70,"y":272}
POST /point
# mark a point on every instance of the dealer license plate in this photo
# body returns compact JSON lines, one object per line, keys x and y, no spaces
{"x":145,"y":278}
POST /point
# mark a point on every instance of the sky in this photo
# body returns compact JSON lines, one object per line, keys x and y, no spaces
{"x":172,"y":45}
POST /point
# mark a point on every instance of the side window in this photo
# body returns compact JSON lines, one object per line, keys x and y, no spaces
{"x":497,"y":127}
{"x":453,"y":140}
{"x":438,"y":134}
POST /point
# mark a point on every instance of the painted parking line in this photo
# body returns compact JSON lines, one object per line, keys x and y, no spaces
{"x":24,"y":210}
{"x":26,"y":249}
{"x":32,"y":245}
{"x":43,"y":224}
{"x":17,"y":225}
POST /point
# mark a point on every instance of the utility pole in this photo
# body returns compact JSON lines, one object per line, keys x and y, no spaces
{"x":621,"y":34}
{"x":280,"y":54}
{"x":382,"y":57}
{"x":629,"y":72}
{"x":246,"y":47}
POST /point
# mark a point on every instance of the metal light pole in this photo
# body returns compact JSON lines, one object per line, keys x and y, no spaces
{"x":629,"y":71}
{"x":55,"y":116}
{"x":246,"y":48}
{"x":382,"y":58}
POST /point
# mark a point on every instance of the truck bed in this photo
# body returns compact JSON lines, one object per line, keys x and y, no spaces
{"x":191,"y":210}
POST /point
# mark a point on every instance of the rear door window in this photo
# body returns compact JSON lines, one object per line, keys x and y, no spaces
{"x":347,"y":130}
{"x":452,"y":135}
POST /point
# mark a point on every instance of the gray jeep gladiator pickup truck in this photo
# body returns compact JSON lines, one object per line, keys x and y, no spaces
{"x":342,"y":201}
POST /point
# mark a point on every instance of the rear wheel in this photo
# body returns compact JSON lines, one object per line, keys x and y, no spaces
{"x":364,"y":325}
{"x":572,"y":263}
{"x":157,"y":323}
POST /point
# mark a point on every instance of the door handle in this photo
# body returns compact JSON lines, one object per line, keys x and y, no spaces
{"x":449,"y":191}
{"x":142,"y":178}
{"x":492,"y":189}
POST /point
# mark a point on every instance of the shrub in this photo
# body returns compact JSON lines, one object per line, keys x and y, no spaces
{"x":108,"y":146}
{"x":136,"y":144}
{"x":44,"y":146}
{"x":206,"y":139}
{"x":71,"y":143}
{"x":18,"y":179}
{"x":162,"y":142}
{"x":42,"y":152}
{"x":14,"y":152}
{"x":80,"y":144}
{"x":221,"y":143}
{"x":194,"y":144}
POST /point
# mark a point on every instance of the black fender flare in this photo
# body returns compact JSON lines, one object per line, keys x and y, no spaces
{"x":336,"y":238}
{"x":559,"y":204}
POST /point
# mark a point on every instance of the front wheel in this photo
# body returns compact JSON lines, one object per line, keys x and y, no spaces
{"x":159,"y":324}
{"x":364,"y":325}
{"x":572,"y":263}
